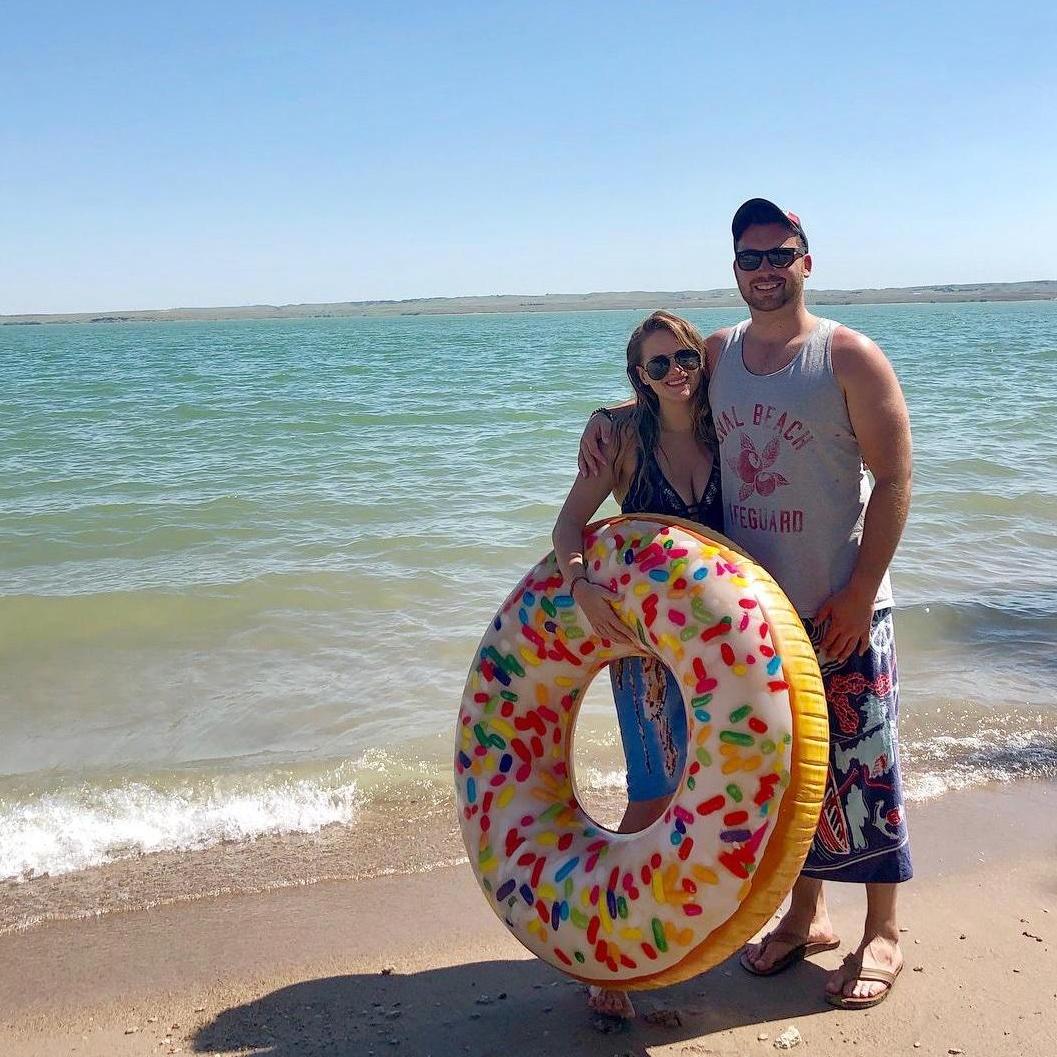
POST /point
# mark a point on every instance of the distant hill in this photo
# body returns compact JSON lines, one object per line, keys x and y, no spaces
{"x":1042,"y":290}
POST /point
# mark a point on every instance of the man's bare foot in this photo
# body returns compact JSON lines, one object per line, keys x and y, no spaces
{"x":877,"y":952}
{"x":789,"y":934}
{"x":610,"y":1003}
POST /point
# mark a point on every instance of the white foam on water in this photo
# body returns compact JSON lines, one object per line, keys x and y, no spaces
{"x":57,"y":833}
{"x":947,"y":763}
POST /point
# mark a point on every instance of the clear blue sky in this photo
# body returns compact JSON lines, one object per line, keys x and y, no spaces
{"x":157,"y":155}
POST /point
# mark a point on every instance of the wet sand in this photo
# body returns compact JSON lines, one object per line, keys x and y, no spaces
{"x":418,"y":964}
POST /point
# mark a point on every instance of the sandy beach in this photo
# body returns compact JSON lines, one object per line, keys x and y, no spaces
{"x":418,"y":964}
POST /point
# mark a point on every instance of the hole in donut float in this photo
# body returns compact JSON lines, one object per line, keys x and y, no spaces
{"x":629,"y":744}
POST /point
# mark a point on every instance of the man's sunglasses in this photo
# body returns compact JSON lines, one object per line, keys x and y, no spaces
{"x":659,"y":366}
{"x":779,"y":257}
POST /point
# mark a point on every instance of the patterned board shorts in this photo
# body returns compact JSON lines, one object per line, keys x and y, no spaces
{"x":862,"y":832}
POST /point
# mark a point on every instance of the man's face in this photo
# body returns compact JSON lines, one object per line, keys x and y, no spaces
{"x":769,"y":288}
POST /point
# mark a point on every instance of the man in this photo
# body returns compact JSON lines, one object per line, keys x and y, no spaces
{"x":802,"y":407}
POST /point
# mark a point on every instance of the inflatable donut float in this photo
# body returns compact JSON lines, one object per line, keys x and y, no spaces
{"x":645,"y":909}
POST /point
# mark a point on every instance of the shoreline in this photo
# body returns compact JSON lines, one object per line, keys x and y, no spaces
{"x":532,"y":304}
{"x":302,"y":970}
{"x":128,"y":878}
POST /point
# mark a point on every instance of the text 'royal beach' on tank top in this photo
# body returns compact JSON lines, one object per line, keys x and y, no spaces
{"x":794,"y":485}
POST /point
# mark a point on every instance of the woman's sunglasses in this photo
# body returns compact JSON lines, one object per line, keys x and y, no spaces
{"x":779,"y":257}
{"x":659,"y":366}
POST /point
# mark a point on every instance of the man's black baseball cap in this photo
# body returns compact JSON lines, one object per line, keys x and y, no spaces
{"x":764,"y":211}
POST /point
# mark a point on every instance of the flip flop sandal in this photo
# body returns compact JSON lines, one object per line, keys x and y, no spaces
{"x":853,"y":970}
{"x":796,"y":954}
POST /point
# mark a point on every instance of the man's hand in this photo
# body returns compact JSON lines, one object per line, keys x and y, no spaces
{"x":594,"y":456}
{"x":847,"y":615}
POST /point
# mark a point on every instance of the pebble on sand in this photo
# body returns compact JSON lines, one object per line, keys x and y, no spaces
{"x":788,"y":1039}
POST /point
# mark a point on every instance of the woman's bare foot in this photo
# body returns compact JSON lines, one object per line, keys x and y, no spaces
{"x":610,"y":1003}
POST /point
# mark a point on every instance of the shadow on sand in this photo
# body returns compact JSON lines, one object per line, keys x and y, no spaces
{"x":500,"y":1009}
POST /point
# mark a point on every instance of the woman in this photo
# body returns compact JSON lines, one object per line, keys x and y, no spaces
{"x":664,"y":461}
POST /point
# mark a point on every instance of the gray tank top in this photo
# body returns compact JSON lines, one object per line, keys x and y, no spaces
{"x":794,"y":485}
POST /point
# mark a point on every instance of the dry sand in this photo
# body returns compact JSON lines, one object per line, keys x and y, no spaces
{"x":417,"y":965}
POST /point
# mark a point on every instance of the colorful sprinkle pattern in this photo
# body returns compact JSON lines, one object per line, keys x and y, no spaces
{"x":601,"y":905}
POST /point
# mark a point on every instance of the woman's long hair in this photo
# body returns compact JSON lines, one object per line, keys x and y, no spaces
{"x":646,"y":417}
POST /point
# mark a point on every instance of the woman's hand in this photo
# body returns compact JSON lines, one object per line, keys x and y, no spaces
{"x":594,"y":445}
{"x":596,"y":603}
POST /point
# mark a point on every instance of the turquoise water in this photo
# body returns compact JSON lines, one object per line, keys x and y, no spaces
{"x":243,"y":566}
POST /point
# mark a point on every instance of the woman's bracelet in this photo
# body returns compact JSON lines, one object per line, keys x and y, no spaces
{"x":574,"y":581}
{"x":602,"y":411}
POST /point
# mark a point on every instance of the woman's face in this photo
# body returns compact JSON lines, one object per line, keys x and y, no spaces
{"x":681,"y":380}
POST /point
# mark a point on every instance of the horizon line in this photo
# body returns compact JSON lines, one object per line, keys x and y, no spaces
{"x":536,"y":300}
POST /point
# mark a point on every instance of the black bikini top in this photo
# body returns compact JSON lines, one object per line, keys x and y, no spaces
{"x":657,"y":495}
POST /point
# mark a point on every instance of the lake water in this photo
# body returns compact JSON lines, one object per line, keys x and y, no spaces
{"x":244,"y":567}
